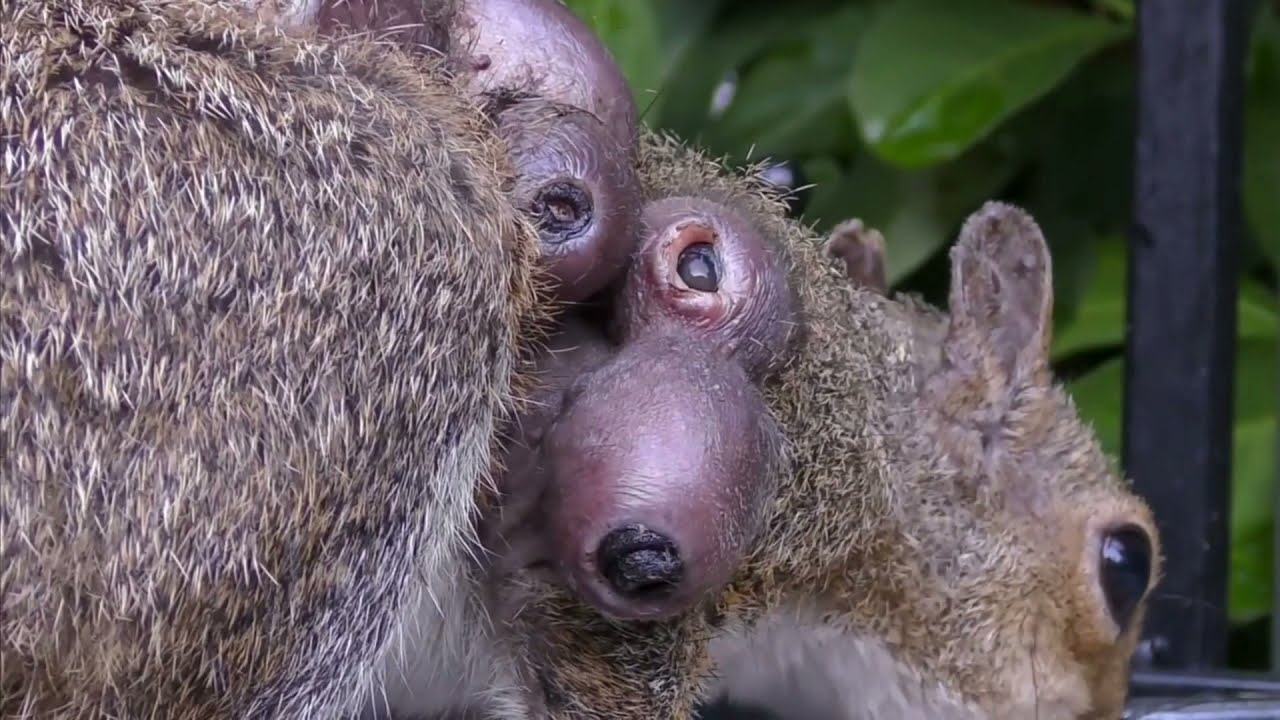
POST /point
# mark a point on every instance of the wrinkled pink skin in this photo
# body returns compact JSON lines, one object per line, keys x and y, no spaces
{"x":579,"y":188}
{"x":662,"y":432}
{"x":754,"y":315}
{"x":665,"y":433}
{"x":541,"y":46}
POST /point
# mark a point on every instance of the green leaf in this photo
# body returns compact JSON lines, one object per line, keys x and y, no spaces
{"x":898,"y":205}
{"x":1262,"y":133}
{"x":784,"y":108}
{"x":1250,"y":574}
{"x":1078,"y":183}
{"x":1256,"y":317}
{"x":917,"y":212}
{"x":933,"y":77}
{"x":1119,"y":8}
{"x":916,"y":231}
{"x":648,"y":38}
{"x":828,"y":201}
{"x":1101,"y":314}
{"x":1082,"y":139}
{"x":1099,"y":396}
{"x":792,"y":103}
{"x":630,"y":30}
{"x":729,"y":44}
{"x":682,"y":26}
{"x":1253,"y":473}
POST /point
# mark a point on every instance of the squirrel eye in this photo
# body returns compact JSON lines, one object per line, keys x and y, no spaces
{"x":699,"y":267}
{"x":1125,"y":570}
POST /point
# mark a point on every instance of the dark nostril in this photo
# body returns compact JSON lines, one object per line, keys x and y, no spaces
{"x":562,"y":209}
{"x":639,"y":562}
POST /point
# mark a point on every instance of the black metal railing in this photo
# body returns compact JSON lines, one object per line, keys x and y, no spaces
{"x":1180,"y":345}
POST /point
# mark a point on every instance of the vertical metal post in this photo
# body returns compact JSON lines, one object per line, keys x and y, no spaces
{"x":1182,"y":309}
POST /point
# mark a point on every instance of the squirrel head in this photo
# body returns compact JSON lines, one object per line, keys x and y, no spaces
{"x":1051,"y":556}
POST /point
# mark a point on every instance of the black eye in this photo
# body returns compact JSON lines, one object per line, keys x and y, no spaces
{"x":699,"y":267}
{"x":561,"y":210}
{"x":1125,"y":570}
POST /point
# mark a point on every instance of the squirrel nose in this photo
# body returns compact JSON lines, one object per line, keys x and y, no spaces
{"x":639,"y":563}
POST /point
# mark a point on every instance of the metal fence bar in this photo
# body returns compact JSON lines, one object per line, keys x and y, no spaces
{"x":1182,"y":309}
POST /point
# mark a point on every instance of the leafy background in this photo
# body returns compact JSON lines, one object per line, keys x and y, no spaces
{"x":910,"y":113}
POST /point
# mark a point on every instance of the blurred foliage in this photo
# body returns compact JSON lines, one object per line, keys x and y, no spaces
{"x":910,"y":113}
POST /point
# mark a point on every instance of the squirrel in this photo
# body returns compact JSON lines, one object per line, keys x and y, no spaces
{"x":951,"y":542}
{"x":241,"y":275}
{"x":793,"y":667}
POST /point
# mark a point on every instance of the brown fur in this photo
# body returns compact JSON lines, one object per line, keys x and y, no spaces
{"x":232,"y":266}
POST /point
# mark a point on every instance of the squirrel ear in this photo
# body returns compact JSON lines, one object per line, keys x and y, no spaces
{"x":1001,"y":302}
{"x":863,"y":253}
